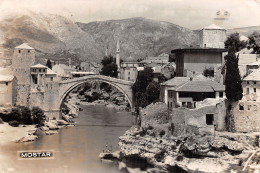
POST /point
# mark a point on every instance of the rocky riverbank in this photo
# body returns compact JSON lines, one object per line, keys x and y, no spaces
{"x":152,"y":147}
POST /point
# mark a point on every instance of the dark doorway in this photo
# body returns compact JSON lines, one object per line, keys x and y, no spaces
{"x":209,"y":119}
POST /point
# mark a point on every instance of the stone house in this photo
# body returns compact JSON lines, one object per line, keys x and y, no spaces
{"x":247,"y":61}
{"x":40,"y":75}
{"x":63,"y":71}
{"x":247,"y":110}
{"x":187,"y":91}
{"x":8,"y":87}
{"x":90,"y":67}
{"x":213,"y":36}
{"x":161,"y":59}
{"x":23,"y":59}
{"x":203,"y":120}
{"x":128,"y":69}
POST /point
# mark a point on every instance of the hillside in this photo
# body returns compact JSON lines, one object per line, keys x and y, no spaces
{"x":139,"y":36}
{"x":58,"y":38}
{"x":246,"y":31}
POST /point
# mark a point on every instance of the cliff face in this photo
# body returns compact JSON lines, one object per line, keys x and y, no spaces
{"x":58,"y":38}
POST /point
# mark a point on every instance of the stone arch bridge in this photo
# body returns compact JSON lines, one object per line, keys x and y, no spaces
{"x":66,"y":86}
{"x":55,"y":93}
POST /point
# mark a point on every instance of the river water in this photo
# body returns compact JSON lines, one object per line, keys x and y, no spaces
{"x":76,"y":148}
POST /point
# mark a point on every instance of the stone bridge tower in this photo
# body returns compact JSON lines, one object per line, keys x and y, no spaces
{"x":23,"y":59}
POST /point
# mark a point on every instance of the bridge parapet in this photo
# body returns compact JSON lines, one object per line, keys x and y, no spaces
{"x":101,"y":77}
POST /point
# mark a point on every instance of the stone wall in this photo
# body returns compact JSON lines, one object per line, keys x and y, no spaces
{"x":213,"y":38}
{"x":21,"y":64}
{"x":248,"y":119}
{"x":194,"y":120}
{"x":23,"y":95}
{"x":157,"y":112}
{"x":47,"y":99}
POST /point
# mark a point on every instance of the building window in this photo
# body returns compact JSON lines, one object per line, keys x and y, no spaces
{"x":51,"y":78}
{"x":205,"y":45}
{"x":6,"y":83}
{"x":247,"y":82}
{"x":171,"y":104}
{"x":128,"y":73}
{"x":254,"y":82}
{"x":128,"y":78}
{"x":209,"y":119}
{"x":249,"y":107}
{"x":221,"y":94}
{"x":247,"y":91}
{"x":28,"y":51}
{"x":19,"y":51}
{"x":40,"y":70}
{"x":43,"y":70}
{"x":241,"y":107}
{"x":254,"y":90}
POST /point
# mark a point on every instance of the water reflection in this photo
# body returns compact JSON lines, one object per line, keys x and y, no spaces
{"x":76,"y":148}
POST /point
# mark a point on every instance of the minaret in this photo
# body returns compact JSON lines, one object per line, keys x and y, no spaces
{"x":69,"y":61}
{"x":106,"y":51}
{"x":117,"y":54}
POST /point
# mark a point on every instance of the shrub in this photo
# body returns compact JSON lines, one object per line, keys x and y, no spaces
{"x":15,"y":114}
{"x":14,"y":123}
{"x":208,"y":72}
{"x":38,"y":115}
{"x":26,"y":115}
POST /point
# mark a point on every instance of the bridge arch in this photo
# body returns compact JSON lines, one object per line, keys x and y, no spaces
{"x":123,"y":86}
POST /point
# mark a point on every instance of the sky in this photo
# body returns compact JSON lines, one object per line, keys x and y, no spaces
{"x":192,"y":14}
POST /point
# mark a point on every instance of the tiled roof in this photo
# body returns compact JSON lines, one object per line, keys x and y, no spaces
{"x":6,"y":78}
{"x":198,"y":83}
{"x":24,"y":46}
{"x":39,"y":66}
{"x":201,"y":86}
{"x":255,"y":63}
{"x":176,"y":81}
{"x":213,"y":26}
{"x":254,"y":76}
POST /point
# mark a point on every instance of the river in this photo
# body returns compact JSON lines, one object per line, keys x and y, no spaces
{"x":76,"y":148}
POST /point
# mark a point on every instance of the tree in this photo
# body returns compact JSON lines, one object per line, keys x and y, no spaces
{"x":162,"y":78}
{"x":233,"y":84}
{"x":143,"y":79}
{"x":48,"y":64}
{"x":233,"y":41}
{"x":233,"y":80}
{"x":153,"y":91}
{"x":139,"y":88}
{"x":110,"y":70}
{"x":109,"y":66}
{"x":254,"y":42}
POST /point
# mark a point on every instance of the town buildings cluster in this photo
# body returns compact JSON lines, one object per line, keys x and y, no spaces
{"x":188,"y":90}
